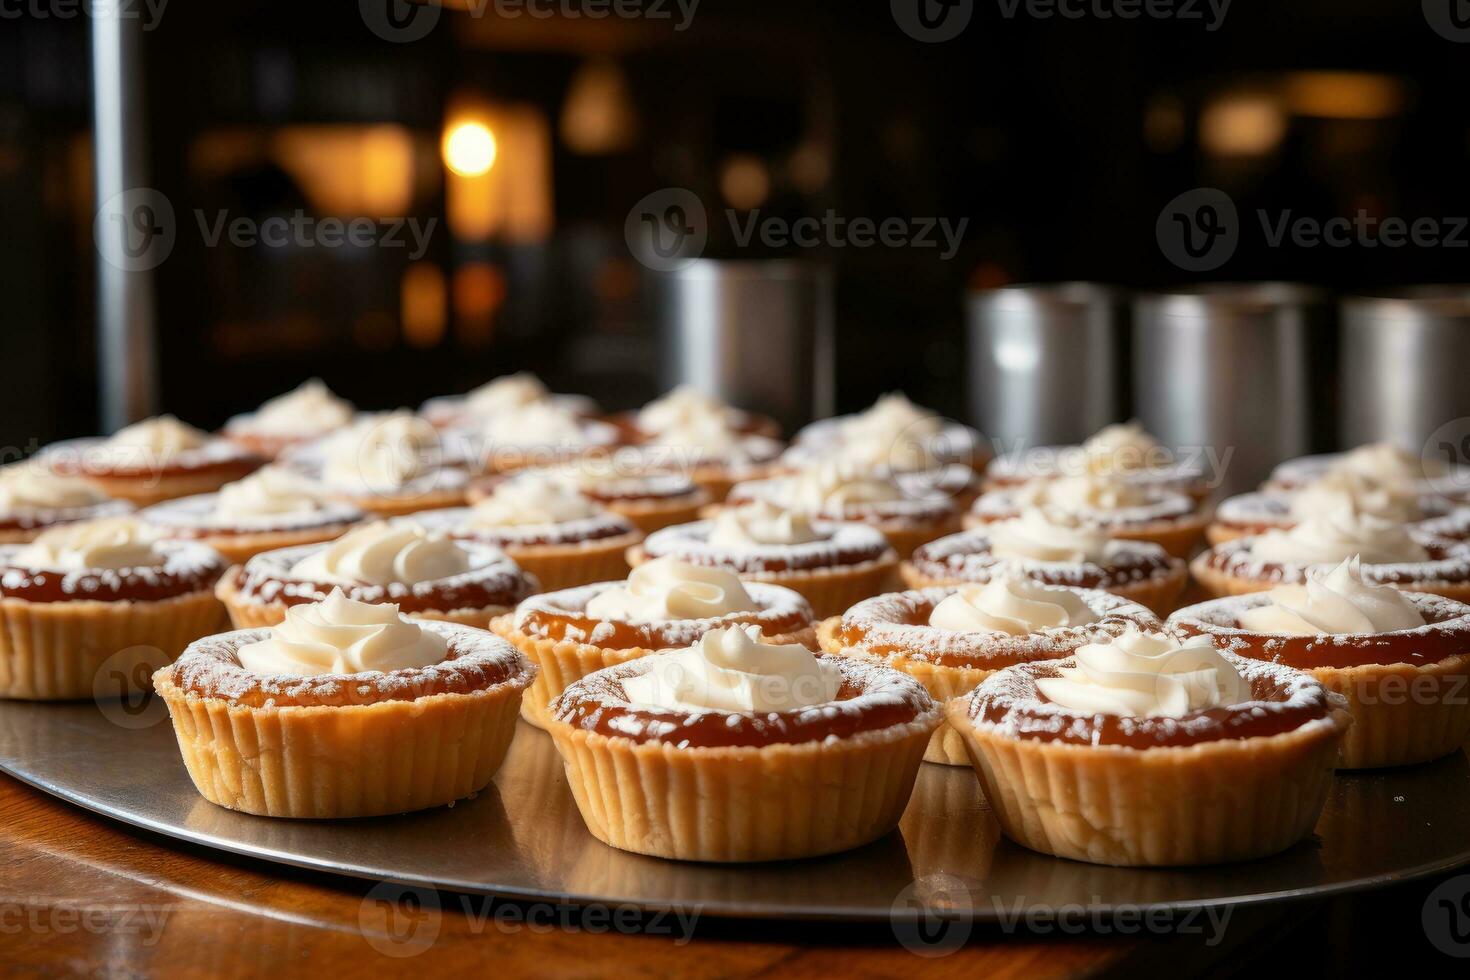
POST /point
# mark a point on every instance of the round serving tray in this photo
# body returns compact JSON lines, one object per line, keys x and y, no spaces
{"x":522,"y":837}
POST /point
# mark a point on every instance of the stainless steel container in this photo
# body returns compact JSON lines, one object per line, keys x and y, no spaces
{"x":1403,"y":365}
{"x":1045,"y":362}
{"x":756,"y":333}
{"x":1224,"y":374}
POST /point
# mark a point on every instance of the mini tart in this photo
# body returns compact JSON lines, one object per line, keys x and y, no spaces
{"x":738,"y":419}
{"x":1221,"y":784}
{"x":907,"y":522}
{"x":1171,"y":520}
{"x":717,"y":786}
{"x":1408,"y":690}
{"x":555,"y":633}
{"x":1011,"y":470}
{"x":22,"y":525}
{"x":344,"y":745}
{"x":953,"y":443}
{"x":895,"y":629}
{"x":58,"y":629}
{"x":192,"y":518}
{"x":135,"y":477}
{"x":241,"y":431}
{"x":597,"y":438}
{"x":1230,"y":569}
{"x":433,"y":491}
{"x":851,"y":561}
{"x":1249,"y":514}
{"x":561,"y":556}
{"x":259,"y":592}
{"x":1294,"y":474}
{"x":649,"y":500}
{"x":716,"y":476}
{"x":1140,"y":572}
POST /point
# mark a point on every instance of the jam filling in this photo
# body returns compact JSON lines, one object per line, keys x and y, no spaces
{"x":1277,"y":706}
{"x":186,"y":569}
{"x":566,"y":625}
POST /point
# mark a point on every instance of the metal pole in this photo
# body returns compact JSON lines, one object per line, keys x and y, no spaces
{"x":125,"y":348}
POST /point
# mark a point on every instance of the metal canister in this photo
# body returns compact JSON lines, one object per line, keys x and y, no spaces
{"x":1046,"y":362}
{"x":756,"y":333}
{"x":1403,"y":364}
{"x":1225,"y":373}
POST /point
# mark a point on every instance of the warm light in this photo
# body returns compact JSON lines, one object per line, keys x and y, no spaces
{"x":422,"y":301}
{"x":511,"y":201}
{"x":744,"y":181}
{"x":1242,"y":124}
{"x":469,"y":148}
{"x":598,"y":116}
{"x":478,"y":291}
{"x":1344,"y":95}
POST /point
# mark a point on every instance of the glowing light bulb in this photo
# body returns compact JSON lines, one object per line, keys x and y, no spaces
{"x":469,"y":149}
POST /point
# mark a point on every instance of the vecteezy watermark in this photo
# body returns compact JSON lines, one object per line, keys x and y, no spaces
{"x":1445,"y":458}
{"x":1097,"y":918}
{"x":404,"y":21}
{"x":61,"y":916}
{"x":122,"y":687}
{"x":1200,"y":229}
{"x":668,"y":229}
{"x":136,"y":230}
{"x":934,"y":915}
{"x":147,"y":12}
{"x":933,"y":21}
{"x":402,"y":920}
{"x":1204,"y":466}
{"x":1450,"y":19}
{"x":1446,"y":917}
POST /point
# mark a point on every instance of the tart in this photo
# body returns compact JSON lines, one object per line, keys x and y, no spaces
{"x":894,"y":434}
{"x":907,"y":508}
{"x":547,"y":527}
{"x":1381,"y":461}
{"x":832,"y":564}
{"x":540,"y":434}
{"x":344,"y":710}
{"x":1123,"y":451}
{"x":742,"y":747}
{"x":1148,"y":750}
{"x":1256,"y":513}
{"x":686,"y":405}
{"x":299,"y":416}
{"x":1125,"y":511}
{"x":1053,"y":550}
{"x":100,"y":595}
{"x":663,"y":605}
{"x":388,"y":465}
{"x":1401,"y":659}
{"x":950,"y":639}
{"x":270,"y":509}
{"x":499,"y":397}
{"x":1390,"y":554}
{"x":33,"y":499}
{"x":649,"y":499}
{"x":154,"y":460}
{"x":714,"y":457}
{"x":426,"y":575}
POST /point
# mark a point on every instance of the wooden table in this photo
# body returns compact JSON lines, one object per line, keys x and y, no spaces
{"x":83,"y":895}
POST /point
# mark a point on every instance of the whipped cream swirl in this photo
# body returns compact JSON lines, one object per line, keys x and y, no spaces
{"x":833,"y":486}
{"x":685,"y":406}
{"x":1146,"y":675}
{"x":160,"y":436}
{"x":762,"y":524}
{"x":1386,"y":461}
{"x":272,"y":492}
{"x":532,"y":499}
{"x":113,"y":543}
{"x":1123,"y":447}
{"x":382,"y":554}
{"x":666,"y":588}
{"x":28,"y":486}
{"x":1387,"y":499}
{"x":1011,"y":605}
{"x":1039,"y":535}
{"x":384,"y":453}
{"x":1082,"y":494}
{"x":342,"y":636}
{"x":506,"y":394}
{"x":541,"y":424}
{"x":1336,"y":536}
{"x":308,"y":409}
{"x":735,"y":671}
{"x":1333,"y":600}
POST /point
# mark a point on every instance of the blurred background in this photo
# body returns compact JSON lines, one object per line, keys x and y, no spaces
{"x":526,"y":140}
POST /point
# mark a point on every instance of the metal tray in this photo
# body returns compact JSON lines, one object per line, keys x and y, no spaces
{"x":523,"y":838}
